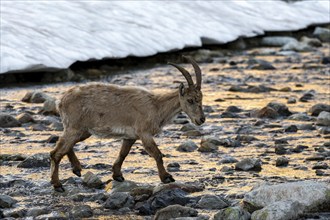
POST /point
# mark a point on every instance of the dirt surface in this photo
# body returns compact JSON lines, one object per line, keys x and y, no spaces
{"x":234,"y":79}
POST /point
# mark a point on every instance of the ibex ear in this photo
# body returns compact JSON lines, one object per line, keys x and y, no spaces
{"x":181,"y":88}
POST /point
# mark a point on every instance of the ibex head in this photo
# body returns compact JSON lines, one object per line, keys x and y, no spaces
{"x":191,"y":97}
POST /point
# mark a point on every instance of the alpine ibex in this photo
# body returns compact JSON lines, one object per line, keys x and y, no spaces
{"x":129,"y":113}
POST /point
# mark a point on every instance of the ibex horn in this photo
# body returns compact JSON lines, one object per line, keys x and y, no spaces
{"x":185,"y":73}
{"x":198,"y":71}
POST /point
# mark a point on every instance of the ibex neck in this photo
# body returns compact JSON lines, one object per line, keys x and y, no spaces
{"x":169,"y":106}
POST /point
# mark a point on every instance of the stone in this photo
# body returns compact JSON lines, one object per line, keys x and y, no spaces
{"x":315,"y":110}
{"x":52,"y":139}
{"x":56,"y":126}
{"x":311,"y":194}
{"x":212,"y":202}
{"x":232,"y":213}
{"x":119,"y":200}
{"x":277,"y":41}
{"x":291,"y":129}
{"x":24,"y":118}
{"x":320,"y":165}
{"x":262,"y":65}
{"x":313,"y":42}
{"x":187,"y":187}
{"x":82,"y":211}
{"x":282,"y":161}
{"x":175,"y":211}
{"x":299,"y":148}
{"x":281,"y":210}
{"x":15,"y":213}
{"x":6,"y":201}
{"x":35,"y":97}
{"x":300,"y":117}
{"x":280,"y":150}
{"x":227,"y":159}
{"x":49,"y":107}
{"x":297,"y":46}
{"x":207,"y":146}
{"x":53,"y":215}
{"x":248,"y":164}
{"x":36,"y":161}
{"x":92,"y":181}
{"x":8,"y":121}
{"x":188,"y":127}
{"x":322,"y":33}
{"x":163,"y":199}
{"x":292,"y":100}
{"x":325,"y":60}
{"x":306,"y":97}
{"x":280,"y":108}
{"x":234,"y":109}
{"x":192,"y":133}
{"x":188,"y":146}
{"x":265,"y":112}
{"x":12,"y":157}
{"x":36,"y":211}
{"x":173,"y":167}
{"x":323,"y":119}
{"x":38,"y":127}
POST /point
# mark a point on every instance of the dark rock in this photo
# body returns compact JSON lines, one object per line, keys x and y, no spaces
{"x":175,"y":211}
{"x":58,"y":215}
{"x":323,"y":119}
{"x":315,"y":110}
{"x":92,"y":181}
{"x":82,"y":211}
{"x":262,"y":65}
{"x":292,"y":100}
{"x":8,"y":121}
{"x":56,"y":126}
{"x":163,"y":199}
{"x":280,"y":108}
{"x":280,"y":150}
{"x":320,"y":165}
{"x":6,"y":201}
{"x":173,"y":167}
{"x":119,"y":200}
{"x":208,"y":109}
{"x":315,"y":158}
{"x":25,"y":118}
{"x":300,"y":117}
{"x":188,"y":127}
{"x":52,"y":139}
{"x":15,"y":213}
{"x":207,"y":146}
{"x":246,"y":138}
{"x":291,"y":128}
{"x":282,"y":161}
{"x":299,"y":148}
{"x":230,"y":115}
{"x":234,"y":109}
{"x":12,"y":157}
{"x":36,"y":211}
{"x":232,"y":213}
{"x":188,"y":146}
{"x":325,"y":60}
{"x":187,"y":187}
{"x":247,"y":164}
{"x":227,"y":159}
{"x":265,"y":112}
{"x":322,"y":33}
{"x":36,"y":161}
{"x":306,"y":97}
{"x":192,"y":133}
{"x":38,"y":127}
{"x":212,"y":202}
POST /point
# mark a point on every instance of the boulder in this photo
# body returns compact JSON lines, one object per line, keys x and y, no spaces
{"x":93,"y":181}
{"x":25,"y":118}
{"x":280,"y":108}
{"x":36,"y":97}
{"x":49,"y":106}
{"x":6,"y":201}
{"x":232,"y":213}
{"x":282,"y":210}
{"x":313,"y":196}
{"x":315,"y":110}
{"x":175,"y":211}
{"x":322,"y":33}
{"x":82,"y":211}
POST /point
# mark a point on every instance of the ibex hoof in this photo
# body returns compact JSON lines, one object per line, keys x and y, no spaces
{"x":59,"y":189}
{"x":168,"y":179}
{"x":119,"y":178}
{"x":77,"y":172}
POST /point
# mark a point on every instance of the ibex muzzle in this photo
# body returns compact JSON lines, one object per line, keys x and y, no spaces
{"x":128,"y":113}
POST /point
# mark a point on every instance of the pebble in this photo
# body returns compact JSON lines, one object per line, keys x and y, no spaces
{"x":188,"y":146}
{"x":93,"y":181}
{"x":247,"y":164}
{"x":282,"y":161}
{"x":8,"y":121}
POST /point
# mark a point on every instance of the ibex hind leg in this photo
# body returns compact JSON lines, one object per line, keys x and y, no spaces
{"x":75,"y":163}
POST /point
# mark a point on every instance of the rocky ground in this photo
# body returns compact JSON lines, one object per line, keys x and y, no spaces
{"x":263,"y":152}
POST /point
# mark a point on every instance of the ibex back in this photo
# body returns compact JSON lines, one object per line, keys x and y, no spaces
{"x":128,"y":113}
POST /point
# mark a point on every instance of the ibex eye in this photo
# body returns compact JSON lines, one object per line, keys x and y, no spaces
{"x":190,"y":101}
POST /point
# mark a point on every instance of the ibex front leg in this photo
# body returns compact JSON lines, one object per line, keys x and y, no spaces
{"x":152,"y":149}
{"x":116,"y":169}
